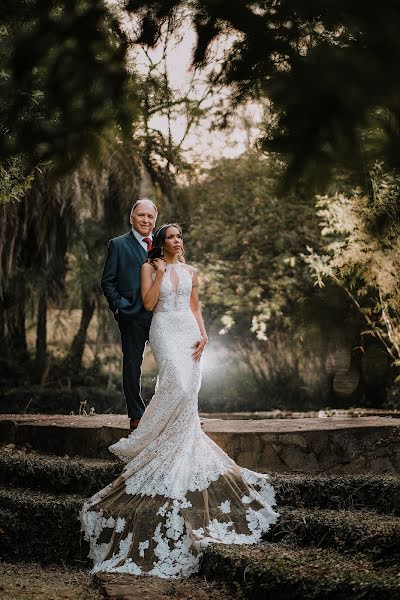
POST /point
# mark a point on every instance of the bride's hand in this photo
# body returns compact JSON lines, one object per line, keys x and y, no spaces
{"x":199,"y":347}
{"x":159,"y":264}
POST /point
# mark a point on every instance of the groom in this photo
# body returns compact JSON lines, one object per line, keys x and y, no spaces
{"x":120,"y":283}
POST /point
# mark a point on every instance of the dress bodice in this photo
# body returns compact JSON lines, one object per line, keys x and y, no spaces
{"x":175,"y":290}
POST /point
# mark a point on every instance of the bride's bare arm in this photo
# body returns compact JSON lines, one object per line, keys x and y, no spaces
{"x":196,"y":310}
{"x":150,"y":287}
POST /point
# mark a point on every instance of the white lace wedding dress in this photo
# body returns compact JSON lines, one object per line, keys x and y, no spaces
{"x":178,"y":491}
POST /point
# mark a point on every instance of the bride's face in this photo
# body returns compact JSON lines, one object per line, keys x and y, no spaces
{"x":173,"y":243}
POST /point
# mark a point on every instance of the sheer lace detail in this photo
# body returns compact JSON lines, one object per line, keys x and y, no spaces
{"x":178,"y":490}
{"x":175,"y":290}
{"x":170,"y":544}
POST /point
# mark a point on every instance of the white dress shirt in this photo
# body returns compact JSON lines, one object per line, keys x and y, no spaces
{"x":141,"y":237}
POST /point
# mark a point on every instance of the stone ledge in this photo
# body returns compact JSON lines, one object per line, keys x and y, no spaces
{"x":309,"y":445}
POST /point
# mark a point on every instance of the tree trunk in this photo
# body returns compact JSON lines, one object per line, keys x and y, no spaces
{"x":74,"y":358}
{"x":2,"y":326}
{"x":41,"y":338}
{"x":16,"y":346}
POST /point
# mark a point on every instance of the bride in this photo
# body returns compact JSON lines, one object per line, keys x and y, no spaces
{"x":178,"y":491}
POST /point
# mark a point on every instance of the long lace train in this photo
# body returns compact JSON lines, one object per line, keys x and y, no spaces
{"x":178,"y":491}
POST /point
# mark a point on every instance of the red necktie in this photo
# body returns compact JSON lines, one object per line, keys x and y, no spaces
{"x":149,"y":243}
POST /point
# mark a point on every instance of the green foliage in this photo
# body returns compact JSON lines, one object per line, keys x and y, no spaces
{"x":292,"y":345}
{"x":247,"y":241}
{"x":14,"y":181}
{"x":362,"y":235}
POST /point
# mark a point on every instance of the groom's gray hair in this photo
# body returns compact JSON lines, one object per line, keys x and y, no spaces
{"x":144,"y":200}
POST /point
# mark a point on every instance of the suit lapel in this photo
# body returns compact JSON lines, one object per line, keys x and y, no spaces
{"x":136,"y":248}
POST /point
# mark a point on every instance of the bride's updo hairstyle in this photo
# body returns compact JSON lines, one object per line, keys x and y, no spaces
{"x":157,"y":250}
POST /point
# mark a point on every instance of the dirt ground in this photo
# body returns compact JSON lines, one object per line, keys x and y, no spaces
{"x":31,"y":581}
{"x":126,"y":587}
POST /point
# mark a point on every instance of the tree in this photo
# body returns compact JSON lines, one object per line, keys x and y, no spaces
{"x":169,"y":112}
{"x":34,"y":233}
{"x":53,"y":240}
{"x":103,"y":202}
{"x":58,"y":231}
{"x":64,"y":80}
{"x":329,"y":68}
{"x":329,"y":71}
{"x":247,"y":243}
{"x":362,"y":245}
{"x":250,"y":243}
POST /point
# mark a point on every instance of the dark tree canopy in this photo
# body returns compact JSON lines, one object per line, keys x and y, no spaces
{"x":330,"y":69}
{"x":63,"y":79}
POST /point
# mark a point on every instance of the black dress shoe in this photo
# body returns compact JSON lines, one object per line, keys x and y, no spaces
{"x":132,"y":426}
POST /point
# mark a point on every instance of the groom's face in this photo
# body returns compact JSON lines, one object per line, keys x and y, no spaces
{"x":143,"y":218}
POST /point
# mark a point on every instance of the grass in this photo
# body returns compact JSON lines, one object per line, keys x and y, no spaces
{"x":270,"y":571}
{"x":42,"y":527}
{"x":56,"y":474}
{"x":32,"y":581}
{"x":344,"y":530}
{"x":376,"y":492}
{"x":338,"y":537}
{"x":60,"y":475}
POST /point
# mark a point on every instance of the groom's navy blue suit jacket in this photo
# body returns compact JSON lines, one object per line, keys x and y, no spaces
{"x":120,"y":280}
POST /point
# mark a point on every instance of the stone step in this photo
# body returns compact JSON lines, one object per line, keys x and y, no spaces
{"x":61,"y":434}
{"x":344,"y":530}
{"x":310,"y":445}
{"x":270,"y":571}
{"x":309,"y":414}
{"x":60,"y":475}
